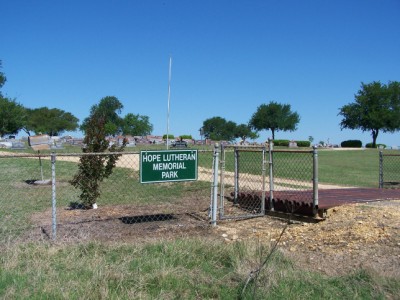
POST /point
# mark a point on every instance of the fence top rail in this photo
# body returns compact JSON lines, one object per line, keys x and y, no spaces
{"x":36,"y":155}
{"x":390,"y":154}
{"x":96,"y":153}
{"x":293,"y":151}
{"x":253,"y":147}
{"x":22,"y":155}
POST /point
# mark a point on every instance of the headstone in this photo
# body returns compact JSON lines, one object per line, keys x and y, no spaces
{"x":56,"y":146}
{"x":18,"y":146}
{"x":39,"y":142}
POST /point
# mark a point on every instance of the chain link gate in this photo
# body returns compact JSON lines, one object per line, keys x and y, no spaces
{"x":243,"y":187}
{"x":254,"y":180}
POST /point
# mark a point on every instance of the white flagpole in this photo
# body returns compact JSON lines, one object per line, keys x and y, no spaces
{"x":169,"y":98}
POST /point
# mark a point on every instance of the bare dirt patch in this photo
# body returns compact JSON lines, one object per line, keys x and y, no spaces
{"x":126,"y":223}
{"x":352,"y":237}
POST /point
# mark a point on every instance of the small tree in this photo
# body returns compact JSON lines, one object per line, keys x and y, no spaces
{"x":93,"y":169}
{"x":3,"y":78}
{"x":217,"y":129}
{"x":12,"y":116}
{"x":52,"y":121}
{"x":376,"y":108}
{"x":274,"y":117}
{"x":244,"y":131}
{"x":110,"y":108}
{"x":170,"y":136}
{"x":136,"y":125}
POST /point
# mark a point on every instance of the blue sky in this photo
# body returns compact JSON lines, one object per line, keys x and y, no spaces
{"x":228,"y":57}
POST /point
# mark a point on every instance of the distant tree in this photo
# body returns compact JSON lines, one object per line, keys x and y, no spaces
{"x":108,"y":109}
{"x":52,"y":121}
{"x":244,"y":131}
{"x":275,"y":117}
{"x":376,"y":108}
{"x":93,"y":169}
{"x":186,"y":137}
{"x":2,"y":77}
{"x":136,"y":125}
{"x":170,"y":136}
{"x":12,"y":116}
{"x":218,"y":129}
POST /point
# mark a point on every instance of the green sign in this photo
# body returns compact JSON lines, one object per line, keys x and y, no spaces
{"x":164,"y":166}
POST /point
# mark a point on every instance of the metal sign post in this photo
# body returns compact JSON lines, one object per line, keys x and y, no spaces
{"x":37,"y":143}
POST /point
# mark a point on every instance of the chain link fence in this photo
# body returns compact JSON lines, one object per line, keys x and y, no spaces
{"x":389,"y":169}
{"x":37,"y":200}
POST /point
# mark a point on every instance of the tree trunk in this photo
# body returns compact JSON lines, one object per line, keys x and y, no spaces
{"x":375,"y":133}
{"x":273,"y":133}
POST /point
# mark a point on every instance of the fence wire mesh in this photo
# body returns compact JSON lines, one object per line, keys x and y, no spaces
{"x":293,"y":181}
{"x":126,"y":208}
{"x":389,"y":169}
{"x":252,"y":176}
{"x":25,"y":190}
{"x":242,"y":182}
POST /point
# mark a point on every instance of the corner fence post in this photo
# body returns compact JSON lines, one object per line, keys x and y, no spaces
{"x":53,"y":196}
{"x":315,"y":181}
{"x":381,"y":169}
{"x":214,"y":200}
{"x":271,"y":175}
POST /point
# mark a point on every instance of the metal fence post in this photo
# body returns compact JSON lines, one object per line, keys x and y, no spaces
{"x":271,"y":174}
{"x":263,"y":181}
{"x":53,"y":196}
{"x":315,"y":180}
{"x":381,"y":169}
{"x":214,"y":201}
{"x":236,"y":152}
{"x":222,"y":160}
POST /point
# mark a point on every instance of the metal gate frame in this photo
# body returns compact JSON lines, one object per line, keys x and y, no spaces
{"x":255,"y":206}
{"x":219,"y":197}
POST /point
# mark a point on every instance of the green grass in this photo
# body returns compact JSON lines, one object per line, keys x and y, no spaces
{"x":352,"y":168}
{"x":190,"y":268}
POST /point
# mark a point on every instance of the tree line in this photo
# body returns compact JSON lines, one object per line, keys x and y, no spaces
{"x":376,"y":108}
{"x":273,"y":116}
{"x":14,"y":117}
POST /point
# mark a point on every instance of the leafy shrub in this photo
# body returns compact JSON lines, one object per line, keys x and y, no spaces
{"x":170,"y":136}
{"x":284,"y":143}
{"x":369,"y":145}
{"x":93,"y":169}
{"x":351,"y":144}
{"x":186,"y":137}
{"x":303,"y":143}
